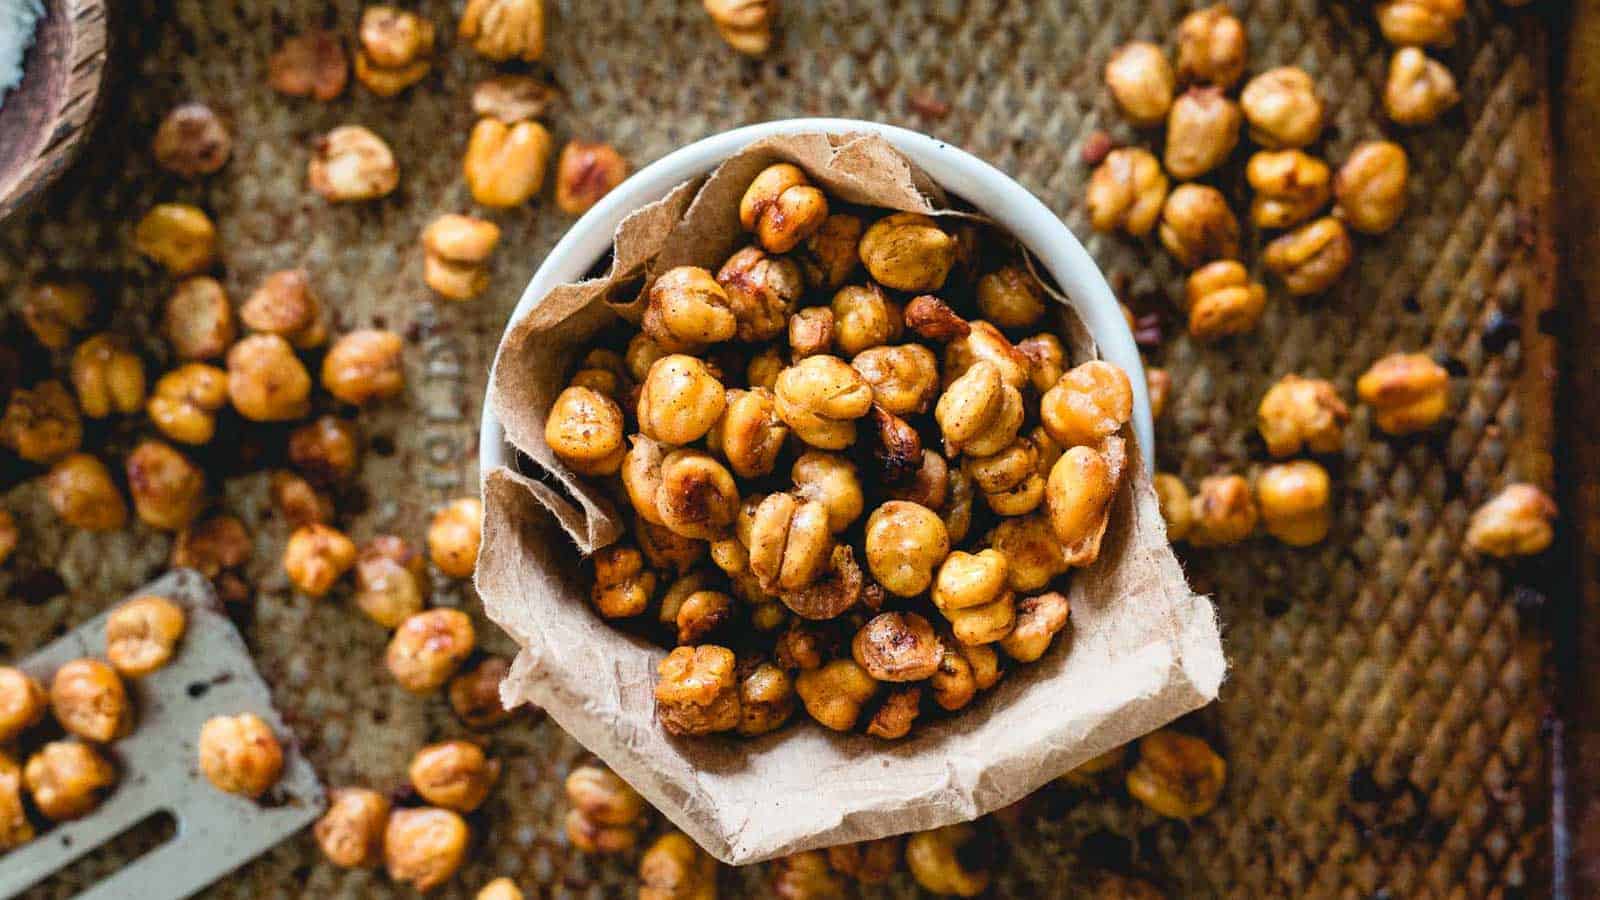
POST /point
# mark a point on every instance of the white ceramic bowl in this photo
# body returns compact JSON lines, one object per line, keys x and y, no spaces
{"x":990,"y":190}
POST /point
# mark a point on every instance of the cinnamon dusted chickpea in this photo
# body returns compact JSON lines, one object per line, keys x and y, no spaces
{"x":178,"y":237}
{"x":675,"y":868}
{"x":1177,"y":776}
{"x":503,"y":30}
{"x":641,"y":476}
{"x":108,"y":377}
{"x":979,"y":414}
{"x":768,"y":364}
{"x":897,"y":646}
{"x":868,"y":862}
{"x":350,"y":833}
{"x":1300,"y":413}
{"x":1158,"y":382}
{"x":309,"y":65}
{"x":1409,"y":23}
{"x":1282,"y":108}
{"x":829,"y":257}
{"x":697,"y":497}
{"x":428,"y":648}
{"x":687,"y":310}
{"x":1212,"y":47}
{"x":1141,"y":81}
{"x":933,"y":319}
{"x":804,"y":876}
{"x":585,"y":172}
{"x":971,"y":592}
{"x":456,"y":251}
{"x":185,"y":402}
{"x":142,"y":635}
{"x":904,"y":543}
{"x":168,"y":489}
{"x":1293,"y":498}
{"x":749,"y":435}
{"x":1223,"y":300}
{"x":1010,"y":480}
{"x":88,"y":700}
{"x":1197,"y":226}
{"x":1371,"y":187}
{"x":898,"y":712}
{"x":863,"y":318}
{"x":701,"y":614}
{"x":453,"y":774}
{"x":1033,"y":553}
{"x":1173,"y":496}
{"x":904,"y":378}
{"x":198,"y":320}
{"x":834,"y":593}
{"x":266,"y":381}
{"x":666,"y":549}
{"x":315,"y":557}
{"x":364,"y":365}
{"x":454,"y":535}
{"x":475,"y":694}
{"x":297,"y":501}
{"x":585,"y":430}
{"x":1518,"y":521}
{"x":15,"y":829}
{"x":1090,"y":403}
{"x":388,"y":575}
{"x":1290,"y":187}
{"x":1310,"y":258}
{"x":53,"y":310}
{"x":351,"y":164}
{"x":696,"y":692}
{"x":505,"y":164}
{"x":240,"y":754}
{"x":67,"y":779}
{"x":1127,"y":191}
{"x":952,"y":860}
{"x":424,"y":846}
{"x":835,"y":692}
{"x":392,"y":49}
{"x":782,"y":208}
{"x":831,"y":480}
{"x":1419,"y":90}
{"x":983,"y":341}
{"x":41,"y":424}
{"x":1408,"y":392}
{"x":607,"y":814}
{"x":1047,"y":360}
{"x":789,"y":542}
{"x":819,"y":398}
{"x":1222,"y":512}
{"x":1011,"y":297}
{"x":760,"y":290}
{"x":908,"y":252}
{"x":1202,"y":130}
{"x":22,"y":703}
{"x":811,"y":332}
{"x":81,"y":492}
{"x":680,"y":400}
{"x":766,"y":698}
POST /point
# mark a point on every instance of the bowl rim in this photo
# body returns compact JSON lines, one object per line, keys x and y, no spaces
{"x":990,"y":190}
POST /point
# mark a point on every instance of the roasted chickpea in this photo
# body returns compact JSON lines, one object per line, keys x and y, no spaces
{"x":985,"y":342}
{"x":1222,"y":512}
{"x":297,"y":501}
{"x":351,"y":164}
{"x":766,"y":698}
{"x":388,"y":574}
{"x":964,"y":670}
{"x":82,"y":493}
{"x":315,"y":557}
{"x":266,"y":381}
{"x":327,"y":449}
{"x":1047,"y":360}
{"x":1282,"y":108}
{"x":758,"y":289}
{"x":41,"y":424}
{"x":350,"y":833}
{"x":475,"y":694}
{"x":971,"y":592}
{"x":804,"y":876}
{"x":680,"y":400}
{"x":1300,"y":413}
{"x":1310,"y":258}
{"x":606,"y":814}
{"x":929,"y":486}
{"x":424,"y":846}
{"x":198,"y":320}
{"x":1197,"y":226}
{"x":178,"y":237}
{"x":585,"y":172}
{"x":979,"y":414}
{"x":185,"y":402}
{"x":309,"y":65}
{"x":456,"y":253}
{"x":142,"y":634}
{"x":67,"y":779}
{"x":1173,"y":496}
{"x":240,"y":754}
{"x":868,"y":862}
{"x":675,"y":868}
{"x":1177,"y":775}
{"x":666,"y":549}
{"x":701,"y":614}
{"x":782,"y":208}
{"x":696,"y":692}
{"x":1158,"y":382}
{"x":22,"y":703}
{"x":811,"y":332}
{"x":1212,"y":47}
{"x":1223,"y":300}
{"x":108,"y":377}
{"x":1202,"y":130}
{"x":863,"y":318}
{"x":1419,"y":90}
{"x":1090,"y":403}
{"x":678,"y":593}
{"x":1408,"y":23}
{"x":364,"y":365}
{"x":392,"y":49}
{"x":908,"y":252}
{"x":454,"y":774}
{"x":1010,"y":480}
{"x":898,"y":712}
{"x":904,"y":542}
{"x":949,"y":860}
{"x":89,"y":700}
{"x":53,"y":310}
{"x":454,"y":535}
{"x":503,"y":30}
{"x":697,"y":497}
{"x":819,"y":398}
{"x":1033,"y":553}
{"x":904,"y":378}
{"x":897,"y":646}
{"x":15,"y":829}
{"x":1408,"y":392}
{"x":789,"y":542}
{"x":1127,"y":191}
{"x":1011,"y":297}
{"x":211,"y":546}
{"x":1290,"y":187}
{"x":745,"y":25}
{"x":499,"y":889}
{"x":585,"y":430}
{"x":1293,"y":498}
{"x":505,"y":164}
{"x":1518,"y":521}
{"x":168,"y":489}
{"x":1371,"y":187}
{"x":835,"y":692}
{"x":829,"y":257}
{"x":1141,"y":81}
{"x":749,"y":435}
{"x":831,"y":480}
{"x":933,"y":319}
{"x":428,"y":648}
{"x":768,"y":364}
{"x":687,"y":310}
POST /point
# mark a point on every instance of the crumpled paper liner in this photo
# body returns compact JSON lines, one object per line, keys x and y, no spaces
{"x":1140,"y":648}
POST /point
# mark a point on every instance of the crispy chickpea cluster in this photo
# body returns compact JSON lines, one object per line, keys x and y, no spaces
{"x":1127,"y":191}
{"x":607,"y":814}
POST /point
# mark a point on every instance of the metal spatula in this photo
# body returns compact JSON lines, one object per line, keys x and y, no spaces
{"x":158,"y":767}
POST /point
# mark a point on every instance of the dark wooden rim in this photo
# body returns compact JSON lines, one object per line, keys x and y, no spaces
{"x":45,"y":118}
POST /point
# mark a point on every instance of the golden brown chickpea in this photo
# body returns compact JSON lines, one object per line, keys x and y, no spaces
{"x":606,"y":814}
{"x":1310,"y":258}
{"x":701,"y":614}
{"x":1177,"y":776}
{"x":1371,"y":187}
{"x":505,"y":164}
{"x":1010,"y":480}
{"x":1293,"y":498}
{"x":315,"y":557}
{"x":1078,"y":499}
{"x":642,"y":353}
{"x":585,"y":172}
{"x":212,"y":546}
{"x":178,"y":237}
{"x":1212,"y":47}
{"x":759,"y":289}
{"x":804,"y":876}
{"x":908,"y":252}
{"x":933,"y":319}
{"x":53,"y":310}
{"x":675,"y":868}
{"x":667,"y":550}
{"x":868,"y":862}
{"x":782,"y":208}
{"x":350,"y":164}
{"x":971,"y":592}
{"x":829,"y":257}
{"x":1173,"y":496}
{"x":350,"y":833}
{"x":697,"y":497}
{"x":185,"y":402}
{"x":811,"y":332}
{"x":499,"y":889}
{"x":864,"y":317}
{"x":453,"y":774}
{"x":1408,"y":392}
{"x":297,"y":501}
{"x":1222,"y":512}
{"x":266,"y":381}
{"x":15,"y":829}
{"x":1518,"y":521}
{"x":766,"y":698}
{"x":198,"y":320}
{"x":1033,"y":553}
{"x":768,"y":364}
{"x":749,"y":435}
{"x":1282,"y":108}
{"x":835,"y":692}
{"x":1202,"y":130}
{"x":41,"y":425}
{"x":585,"y":430}
{"x":789,"y":542}
{"x":829,"y":479}
{"x":819,"y":398}
{"x":983,"y":341}
{"x":696,"y":692}
{"x":949,"y":860}
{"x":22,"y":703}
{"x":428,"y":648}
{"x":1090,"y":403}
{"x":1127,"y":192}
{"x":641,"y":476}
{"x":1409,"y":23}
{"x":503,"y":30}
{"x":475,"y":694}
{"x":1141,"y":81}
{"x":108,"y":377}
{"x":904,"y":378}
{"x":687,"y":310}
{"x":1047,"y":360}
{"x":746,"y":25}
{"x":388,"y":574}
{"x":67,"y":779}
{"x":979,"y":414}
{"x":680,"y":400}
{"x":1300,"y":413}
{"x":364,"y":365}
{"x":309,"y":65}
{"x":1419,"y":90}
{"x":456,"y":251}
{"x":392,"y":49}
{"x":897,"y":646}
{"x":142,"y":634}
{"x":423,"y":847}
{"x":168,"y":489}
{"x":1223,"y":300}
{"x":904,"y":543}
{"x":955,"y":684}
{"x":1197,"y":226}
{"x":240,"y":754}
{"x":327,"y":449}
{"x":82,"y":493}
{"x":1011,"y":297}
{"x":678,"y":593}
{"x":1290,"y":187}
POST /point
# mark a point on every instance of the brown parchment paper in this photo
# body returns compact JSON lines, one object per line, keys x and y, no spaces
{"x":1140,"y":649}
